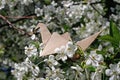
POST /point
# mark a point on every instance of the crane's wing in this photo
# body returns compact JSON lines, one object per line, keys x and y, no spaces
{"x":85,"y":43}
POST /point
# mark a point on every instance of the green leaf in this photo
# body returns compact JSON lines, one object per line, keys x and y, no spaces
{"x":66,"y":28}
{"x":91,"y":68}
{"x":109,"y":38}
{"x":114,"y":36}
{"x":101,"y":52}
{"x":47,"y":2}
{"x":114,"y":31}
{"x":36,"y":43}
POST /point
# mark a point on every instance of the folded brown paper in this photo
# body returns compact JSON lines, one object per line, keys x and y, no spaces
{"x":45,"y":34}
{"x":56,"y":41}
{"x":66,"y":36}
{"x":85,"y":43}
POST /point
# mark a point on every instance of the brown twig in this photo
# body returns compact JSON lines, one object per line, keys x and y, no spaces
{"x":96,"y":10}
{"x":5,"y":19}
{"x":12,"y":26}
{"x":15,"y":21}
{"x":20,"y":17}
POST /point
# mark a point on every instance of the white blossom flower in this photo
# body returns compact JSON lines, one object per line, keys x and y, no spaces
{"x":31,"y":50}
{"x":51,"y":61}
{"x":33,"y":37}
{"x":77,"y":68}
{"x":100,"y":47}
{"x":26,"y":2}
{"x":54,"y":73}
{"x":117,"y":1}
{"x":78,"y":72}
{"x":58,"y":73}
{"x":21,"y":69}
{"x":94,"y":59}
{"x":111,"y":50}
{"x":38,"y":12}
{"x":47,"y":18}
{"x":70,"y":49}
{"x":97,"y":75}
{"x":35,"y":70}
{"x":2,"y":4}
{"x":113,"y":72}
{"x":53,"y":3}
{"x":61,"y":53}
{"x":65,"y":51}
{"x":67,"y":3}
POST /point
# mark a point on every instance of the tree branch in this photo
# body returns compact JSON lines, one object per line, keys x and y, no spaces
{"x":12,"y":26}
{"x":18,"y":19}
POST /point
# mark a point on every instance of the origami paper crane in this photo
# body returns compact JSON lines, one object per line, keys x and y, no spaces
{"x":55,"y":40}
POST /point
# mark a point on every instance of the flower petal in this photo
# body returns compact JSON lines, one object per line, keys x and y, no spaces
{"x":108,"y":72}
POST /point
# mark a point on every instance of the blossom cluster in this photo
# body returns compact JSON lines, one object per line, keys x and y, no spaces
{"x":60,"y":67}
{"x":80,"y":18}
